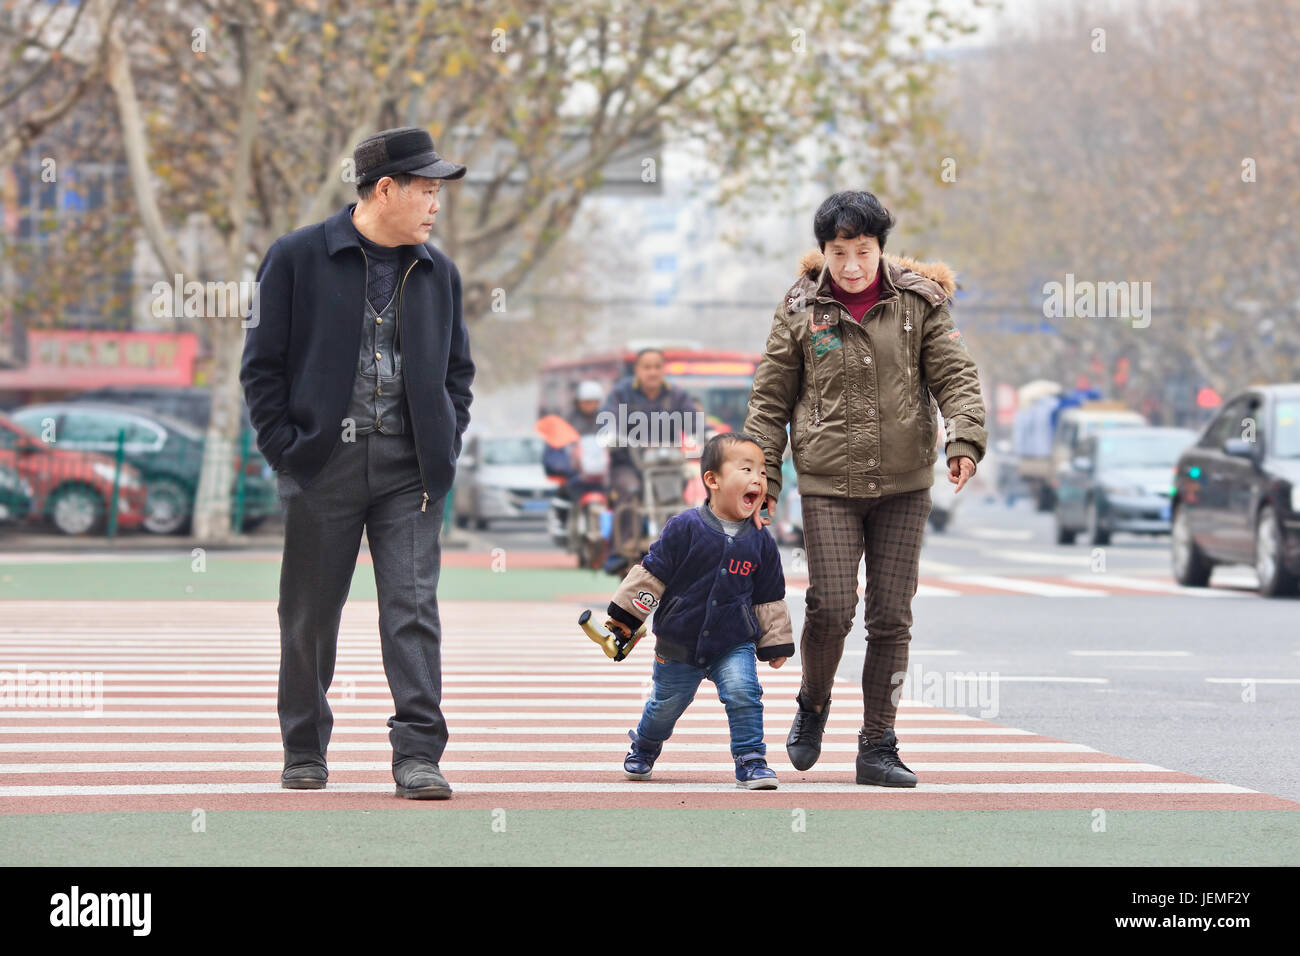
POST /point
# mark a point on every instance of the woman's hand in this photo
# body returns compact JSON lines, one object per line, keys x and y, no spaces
{"x":960,"y":471}
{"x":759,"y":521}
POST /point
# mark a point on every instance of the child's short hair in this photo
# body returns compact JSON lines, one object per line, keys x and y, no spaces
{"x":715,"y":452}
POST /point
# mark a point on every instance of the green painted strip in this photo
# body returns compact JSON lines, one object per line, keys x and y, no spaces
{"x":227,"y":578}
{"x":439,"y":834}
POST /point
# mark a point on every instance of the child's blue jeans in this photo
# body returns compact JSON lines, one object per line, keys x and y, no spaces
{"x":736,"y":675}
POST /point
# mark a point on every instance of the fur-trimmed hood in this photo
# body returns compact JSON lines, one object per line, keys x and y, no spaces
{"x":933,"y":280}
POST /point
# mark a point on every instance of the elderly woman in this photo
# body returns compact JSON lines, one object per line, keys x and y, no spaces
{"x":856,"y":349}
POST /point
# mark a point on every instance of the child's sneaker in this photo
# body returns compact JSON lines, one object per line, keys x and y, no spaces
{"x":640,"y":760}
{"x":753,"y":773}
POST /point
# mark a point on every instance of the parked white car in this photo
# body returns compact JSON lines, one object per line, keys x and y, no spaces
{"x":500,"y":478}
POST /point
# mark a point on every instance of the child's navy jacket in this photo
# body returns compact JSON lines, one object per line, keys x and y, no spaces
{"x":712,"y":583}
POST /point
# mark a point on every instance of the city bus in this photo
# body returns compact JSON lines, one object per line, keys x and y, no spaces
{"x":719,"y":380}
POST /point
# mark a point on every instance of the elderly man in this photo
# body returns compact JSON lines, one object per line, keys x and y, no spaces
{"x":357,"y":374}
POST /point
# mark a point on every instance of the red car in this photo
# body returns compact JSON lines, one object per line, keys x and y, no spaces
{"x":72,"y":489}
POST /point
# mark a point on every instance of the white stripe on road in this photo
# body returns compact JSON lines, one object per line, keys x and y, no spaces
{"x":692,"y":715}
{"x":596,"y":677}
{"x":1105,"y":578}
{"x":1252,"y":680}
{"x":573,"y":766}
{"x":929,"y":566}
{"x":535,"y":787}
{"x":198,"y":746}
{"x":1131,"y":653}
{"x":378,"y":693}
{"x":1001,"y":534}
{"x":1023,"y":586}
{"x":931,"y":590}
{"x":273,"y":727}
{"x":1041,"y":557}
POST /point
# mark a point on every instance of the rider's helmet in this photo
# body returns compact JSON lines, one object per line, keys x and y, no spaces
{"x":590,"y":391}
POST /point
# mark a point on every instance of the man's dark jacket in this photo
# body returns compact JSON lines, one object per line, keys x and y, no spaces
{"x":300,"y":356}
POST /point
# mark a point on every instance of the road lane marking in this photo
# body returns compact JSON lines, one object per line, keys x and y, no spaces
{"x":273,"y":727}
{"x":1023,"y":585}
{"x":1131,"y":653}
{"x":1002,"y":534}
{"x":1252,"y":680}
{"x":1106,"y":579}
{"x":1083,"y":560}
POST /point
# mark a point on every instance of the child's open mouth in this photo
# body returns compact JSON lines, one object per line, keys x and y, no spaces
{"x":749,"y":498}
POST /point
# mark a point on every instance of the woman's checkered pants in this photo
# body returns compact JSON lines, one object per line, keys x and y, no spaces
{"x":837,"y":533}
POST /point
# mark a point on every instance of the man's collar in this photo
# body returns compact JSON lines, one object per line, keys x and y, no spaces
{"x":341,"y":233}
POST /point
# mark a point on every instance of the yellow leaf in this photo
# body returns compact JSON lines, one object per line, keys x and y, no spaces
{"x":416,"y":77}
{"x":328,"y":30}
{"x":453,"y":65}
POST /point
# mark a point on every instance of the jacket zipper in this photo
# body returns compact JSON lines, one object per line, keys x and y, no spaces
{"x":397,"y":338}
{"x":812,"y":368}
{"x":907,"y":360}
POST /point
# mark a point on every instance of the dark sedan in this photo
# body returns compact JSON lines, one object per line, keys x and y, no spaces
{"x":1237,"y":492}
{"x":1120,"y":479}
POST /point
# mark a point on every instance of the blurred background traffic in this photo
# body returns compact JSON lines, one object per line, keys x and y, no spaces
{"x":1112,"y":182}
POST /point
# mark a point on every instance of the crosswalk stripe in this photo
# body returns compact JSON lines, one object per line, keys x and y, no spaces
{"x":271,"y":727}
{"x":704,"y":713}
{"x":546,"y":786}
{"x":528,"y":766}
{"x":189,"y":688}
{"x":480,"y":746}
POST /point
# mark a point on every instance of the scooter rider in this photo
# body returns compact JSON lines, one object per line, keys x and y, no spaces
{"x":564,"y":461}
{"x":645,"y":410}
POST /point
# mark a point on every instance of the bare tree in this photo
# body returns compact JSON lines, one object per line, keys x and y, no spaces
{"x":1148,"y":143}
{"x":238,"y":118}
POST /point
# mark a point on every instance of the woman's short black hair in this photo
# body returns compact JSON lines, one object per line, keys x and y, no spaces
{"x":715,"y":452}
{"x":850,"y":214}
{"x":651,"y":350}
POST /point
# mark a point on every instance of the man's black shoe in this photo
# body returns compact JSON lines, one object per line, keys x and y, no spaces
{"x":304,"y":776}
{"x":420,"y":780}
{"x":804,"y":745}
{"x":878,"y":764}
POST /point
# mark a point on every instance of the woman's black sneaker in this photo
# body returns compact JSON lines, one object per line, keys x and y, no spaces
{"x":878,"y":763}
{"x":804,"y":745}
